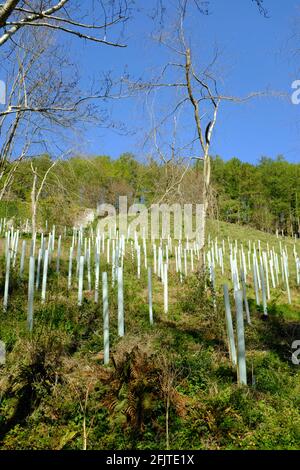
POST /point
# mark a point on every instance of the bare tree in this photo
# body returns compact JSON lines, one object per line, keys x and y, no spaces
{"x":44,"y":102}
{"x":43,"y":94}
{"x":36,"y":192}
{"x":35,"y":81}
{"x":195,"y":88}
{"x":17,"y":130}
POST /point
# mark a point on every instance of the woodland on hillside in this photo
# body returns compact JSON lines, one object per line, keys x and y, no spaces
{"x":265,"y":196}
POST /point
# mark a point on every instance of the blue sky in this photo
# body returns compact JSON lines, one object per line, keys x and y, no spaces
{"x":257,"y":53}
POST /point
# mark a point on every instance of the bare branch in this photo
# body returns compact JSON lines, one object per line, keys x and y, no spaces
{"x":41,"y":16}
{"x":66,"y":30}
{"x":6,"y":10}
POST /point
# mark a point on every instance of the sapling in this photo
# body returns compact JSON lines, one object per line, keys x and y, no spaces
{"x":120,"y":302}
{"x":105,"y":318}
{"x":80,"y":280}
{"x":30,"y":293}
{"x":45,"y":272}
{"x":6,"y":285}
{"x":241,"y":350}
{"x":229,"y":326}
{"x":150,"y":295}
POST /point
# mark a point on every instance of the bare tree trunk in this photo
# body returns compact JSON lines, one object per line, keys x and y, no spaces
{"x":204,"y":142}
{"x":33,"y":203}
{"x":35,"y":195}
{"x":205,"y":197}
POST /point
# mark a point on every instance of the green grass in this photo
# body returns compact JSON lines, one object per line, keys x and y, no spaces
{"x":278,"y":305}
{"x":54,"y":380}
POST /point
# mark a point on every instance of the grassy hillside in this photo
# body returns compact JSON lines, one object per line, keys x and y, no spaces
{"x":169,"y":385}
{"x":243,"y":234}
